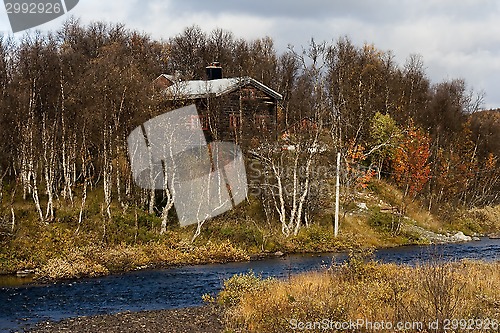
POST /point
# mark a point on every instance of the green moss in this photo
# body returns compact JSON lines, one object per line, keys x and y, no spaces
{"x":409,"y":237}
{"x":316,"y":239}
{"x":469,"y":226}
{"x":123,"y":229}
{"x":382,"y":222}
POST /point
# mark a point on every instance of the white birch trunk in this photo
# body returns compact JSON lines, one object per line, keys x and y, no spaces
{"x":67,"y":156}
{"x":13,"y":215}
{"x":303,"y":197}
{"x":32,"y":174}
{"x":48,"y":157}
{"x":152,"y":194}
{"x":281,"y":208}
{"x":293,"y":212}
{"x":85,"y":182}
{"x":118,"y":176}
{"x":36,"y":198}
{"x":82,"y":206}
{"x":13,"y":222}
{"x":107,"y":172}
{"x":170,"y":194}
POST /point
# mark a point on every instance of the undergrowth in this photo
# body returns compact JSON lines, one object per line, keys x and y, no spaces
{"x":362,"y":289}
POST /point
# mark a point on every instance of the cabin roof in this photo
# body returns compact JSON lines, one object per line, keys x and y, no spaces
{"x":171,"y":78}
{"x":202,"y":88}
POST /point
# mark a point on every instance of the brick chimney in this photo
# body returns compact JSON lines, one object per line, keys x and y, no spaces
{"x":214,"y":71}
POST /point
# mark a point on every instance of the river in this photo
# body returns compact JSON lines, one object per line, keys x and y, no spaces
{"x":24,"y":305}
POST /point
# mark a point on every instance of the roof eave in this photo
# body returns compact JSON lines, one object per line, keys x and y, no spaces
{"x":248,"y":80}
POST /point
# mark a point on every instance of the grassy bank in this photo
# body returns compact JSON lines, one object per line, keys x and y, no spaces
{"x":369,"y":292}
{"x":131,"y":239}
{"x":57,"y":252}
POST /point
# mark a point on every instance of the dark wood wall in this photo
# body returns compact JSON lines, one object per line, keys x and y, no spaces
{"x":246,"y":116}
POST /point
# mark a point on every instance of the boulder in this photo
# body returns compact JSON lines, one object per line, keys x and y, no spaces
{"x":460,"y":237}
{"x":25,"y":273}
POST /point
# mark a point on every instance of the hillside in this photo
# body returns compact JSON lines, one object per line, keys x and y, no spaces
{"x":63,"y":249}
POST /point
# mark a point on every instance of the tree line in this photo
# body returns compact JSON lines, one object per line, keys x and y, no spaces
{"x":69,"y":99}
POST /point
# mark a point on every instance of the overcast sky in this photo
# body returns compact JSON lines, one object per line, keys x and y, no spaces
{"x":457,"y":38}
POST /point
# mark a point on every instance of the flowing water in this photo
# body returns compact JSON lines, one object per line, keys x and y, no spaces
{"x":22,"y":306}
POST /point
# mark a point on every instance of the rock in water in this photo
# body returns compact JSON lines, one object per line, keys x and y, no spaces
{"x":460,"y":237}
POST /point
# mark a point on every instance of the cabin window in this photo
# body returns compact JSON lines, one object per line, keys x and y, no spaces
{"x":234,"y":121}
{"x":202,"y":119}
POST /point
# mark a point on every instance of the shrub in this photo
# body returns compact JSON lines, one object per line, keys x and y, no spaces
{"x":74,"y":265}
{"x":384,"y":222}
{"x":123,"y":258}
{"x":315,"y":239}
{"x":217,"y":253}
{"x":236,"y":286}
{"x":243,"y":234}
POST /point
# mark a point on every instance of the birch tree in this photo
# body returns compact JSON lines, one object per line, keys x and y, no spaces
{"x":288,"y":174}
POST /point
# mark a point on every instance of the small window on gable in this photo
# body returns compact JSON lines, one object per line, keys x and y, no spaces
{"x":234,"y":121}
{"x":248,"y":94}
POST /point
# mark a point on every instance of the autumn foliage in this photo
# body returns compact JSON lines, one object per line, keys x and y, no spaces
{"x":411,"y":164}
{"x":355,"y":171}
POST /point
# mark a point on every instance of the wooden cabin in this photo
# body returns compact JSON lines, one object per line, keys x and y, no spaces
{"x":239,"y":109}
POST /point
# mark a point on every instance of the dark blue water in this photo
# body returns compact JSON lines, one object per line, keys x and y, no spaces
{"x":21,"y":307}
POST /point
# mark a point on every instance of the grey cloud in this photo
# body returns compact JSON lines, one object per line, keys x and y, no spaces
{"x":368,"y":11}
{"x":316,"y":9}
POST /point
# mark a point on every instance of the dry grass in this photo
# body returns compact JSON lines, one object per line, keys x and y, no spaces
{"x":487,"y":217}
{"x":369,"y":291}
{"x":356,"y":226}
{"x":93,"y":261}
{"x":424,"y":218}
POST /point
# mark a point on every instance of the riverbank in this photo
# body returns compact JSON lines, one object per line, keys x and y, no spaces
{"x":203,"y":319}
{"x":185,"y":286}
{"x":357,"y":289}
{"x":98,"y":260}
{"x":362,"y":290}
